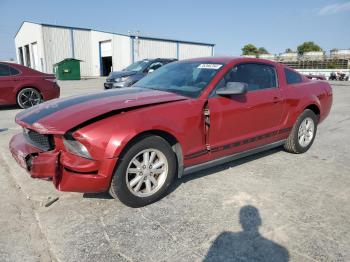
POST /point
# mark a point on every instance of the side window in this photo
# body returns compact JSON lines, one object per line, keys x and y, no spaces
{"x":14,"y":71}
{"x":155,"y":66}
{"x":256,"y":76}
{"x":4,"y":70}
{"x":292,"y":77}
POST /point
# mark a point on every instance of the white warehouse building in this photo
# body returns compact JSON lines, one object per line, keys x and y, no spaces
{"x":40,"y":46}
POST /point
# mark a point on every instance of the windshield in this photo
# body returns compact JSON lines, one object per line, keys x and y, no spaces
{"x":184,"y":78}
{"x":137,"y":66}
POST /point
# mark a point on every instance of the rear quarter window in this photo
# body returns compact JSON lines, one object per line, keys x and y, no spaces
{"x":292,"y":77}
{"x":14,"y":71}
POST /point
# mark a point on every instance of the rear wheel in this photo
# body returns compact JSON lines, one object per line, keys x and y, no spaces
{"x":303,"y":133}
{"x":28,"y":97}
{"x":145,"y":173}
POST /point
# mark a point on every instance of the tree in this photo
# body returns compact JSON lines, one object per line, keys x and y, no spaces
{"x":288,"y":50}
{"x":308,"y":47}
{"x":262,"y":50}
{"x":249,"y":49}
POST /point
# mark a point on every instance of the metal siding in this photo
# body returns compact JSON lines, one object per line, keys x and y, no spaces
{"x":82,"y":50}
{"x":193,"y":50}
{"x":121,"y":52}
{"x":154,"y":49}
{"x":57,"y":45}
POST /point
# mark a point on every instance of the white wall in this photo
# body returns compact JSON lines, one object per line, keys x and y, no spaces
{"x":121,"y":52}
{"x":82,"y":50}
{"x":30,"y":33}
{"x":153,"y":49}
{"x":57,"y":45}
{"x":194,"y":50}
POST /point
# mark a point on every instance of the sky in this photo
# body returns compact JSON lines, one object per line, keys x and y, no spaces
{"x":275,"y":25}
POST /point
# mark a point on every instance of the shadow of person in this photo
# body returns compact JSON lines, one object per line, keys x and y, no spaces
{"x":247,"y":245}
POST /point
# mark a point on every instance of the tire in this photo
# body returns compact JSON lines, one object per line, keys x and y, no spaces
{"x":132,"y":182}
{"x":28,"y":97}
{"x":296,"y":145}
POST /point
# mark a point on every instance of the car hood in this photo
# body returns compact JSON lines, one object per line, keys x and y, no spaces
{"x":118,"y":74}
{"x":60,"y":115}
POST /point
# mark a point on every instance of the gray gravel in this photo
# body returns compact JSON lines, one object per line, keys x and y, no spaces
{"x":273,"y":206}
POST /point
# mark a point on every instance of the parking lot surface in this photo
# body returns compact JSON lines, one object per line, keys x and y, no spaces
{"x":274,"y":206}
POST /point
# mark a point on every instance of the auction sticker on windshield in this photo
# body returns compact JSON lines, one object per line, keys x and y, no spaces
{"x":210,"y":66}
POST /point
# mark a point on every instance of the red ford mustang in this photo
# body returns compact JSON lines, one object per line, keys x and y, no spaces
{"x":184,"y":117}
{"x":24,"y":86}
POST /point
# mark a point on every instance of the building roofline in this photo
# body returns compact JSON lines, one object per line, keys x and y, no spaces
{"x":114,"y":33}
{"x":170,"y":40}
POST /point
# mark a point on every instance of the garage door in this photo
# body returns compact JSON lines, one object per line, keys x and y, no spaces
{"x":106,"y":48}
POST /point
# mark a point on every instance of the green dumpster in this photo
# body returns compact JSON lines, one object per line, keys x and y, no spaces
{"x":67,"y":69}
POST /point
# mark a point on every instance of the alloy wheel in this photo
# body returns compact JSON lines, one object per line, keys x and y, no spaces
{"x":147,"y":172}
{"x":306,"y":132}
{"x":28,"y":97}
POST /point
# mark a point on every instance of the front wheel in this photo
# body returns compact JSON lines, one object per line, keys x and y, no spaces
{"x":303,"y":133}
{"x":145,"y":172}
{"x":28,"y":97}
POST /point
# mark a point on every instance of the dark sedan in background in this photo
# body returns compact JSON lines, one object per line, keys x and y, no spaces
{"x":24,"y":86}
{"x":134,"y":72}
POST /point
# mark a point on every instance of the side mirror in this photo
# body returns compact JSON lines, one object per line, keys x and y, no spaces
{"x":232,"y":88}
{"x":150,"y":70}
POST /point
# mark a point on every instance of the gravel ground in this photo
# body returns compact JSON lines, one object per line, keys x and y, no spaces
{"x":273,"y":206}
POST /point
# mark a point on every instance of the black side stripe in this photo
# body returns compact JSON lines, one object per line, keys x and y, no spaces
{"x":197,"y":154}
{"x":37,"y":113}
{"x":238,"y":143}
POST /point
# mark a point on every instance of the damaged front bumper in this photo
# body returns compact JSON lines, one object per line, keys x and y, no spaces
{"x":67,"y":171}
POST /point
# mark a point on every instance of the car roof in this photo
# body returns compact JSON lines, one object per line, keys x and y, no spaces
{"x":231,"y":59}
{"x":9,"y":63}
{"x":24,"y":69}
{"x":160,"y":59}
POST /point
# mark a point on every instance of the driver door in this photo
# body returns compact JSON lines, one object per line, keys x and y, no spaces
{"x":245,"y":121}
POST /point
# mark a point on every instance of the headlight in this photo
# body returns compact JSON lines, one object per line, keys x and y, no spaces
{"x":75,"y":147}
{"x":121,"y":79}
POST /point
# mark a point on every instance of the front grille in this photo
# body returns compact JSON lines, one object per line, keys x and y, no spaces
{"x":44,"y":142}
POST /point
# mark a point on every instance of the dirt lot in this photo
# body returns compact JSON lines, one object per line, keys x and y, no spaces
{"x":293,"y":206}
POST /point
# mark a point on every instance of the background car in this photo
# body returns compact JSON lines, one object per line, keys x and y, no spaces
{"x":24,"y":86}
{"x":134,"y":72}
